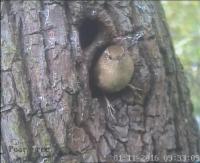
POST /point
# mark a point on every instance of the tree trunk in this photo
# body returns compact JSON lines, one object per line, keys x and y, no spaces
{"x":51,"y":110}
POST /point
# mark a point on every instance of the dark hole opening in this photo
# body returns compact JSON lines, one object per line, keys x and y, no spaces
{"x":88,"y":31}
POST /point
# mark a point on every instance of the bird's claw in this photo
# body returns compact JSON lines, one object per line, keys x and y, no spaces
{"x":134,"y":88}
{"x":110,"y":108}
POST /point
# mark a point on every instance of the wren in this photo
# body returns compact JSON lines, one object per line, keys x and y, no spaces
{"x":113,"y":71}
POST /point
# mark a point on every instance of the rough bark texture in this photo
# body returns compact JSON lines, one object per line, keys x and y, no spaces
{"x":50,"y":108}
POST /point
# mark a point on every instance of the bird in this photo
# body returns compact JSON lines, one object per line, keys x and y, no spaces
{"x":113,"y":72}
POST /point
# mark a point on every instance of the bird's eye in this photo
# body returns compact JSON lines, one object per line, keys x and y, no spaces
{"x":109,"y":57}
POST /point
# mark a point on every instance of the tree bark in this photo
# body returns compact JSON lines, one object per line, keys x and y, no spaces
{"x":51,"y":110}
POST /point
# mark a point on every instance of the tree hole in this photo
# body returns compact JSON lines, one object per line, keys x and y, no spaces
{"x":88,"y":31}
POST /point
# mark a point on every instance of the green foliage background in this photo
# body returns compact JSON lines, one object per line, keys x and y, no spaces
{"x":184,"y":22}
